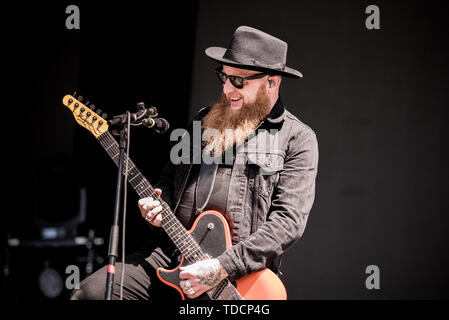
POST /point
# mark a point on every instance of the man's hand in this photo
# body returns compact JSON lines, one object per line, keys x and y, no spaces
{"x":201,"y":276}
{"x":151,"y":209}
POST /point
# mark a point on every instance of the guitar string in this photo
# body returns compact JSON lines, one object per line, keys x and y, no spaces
{"x":149,"y":191}
{"x":185,"y":243}
{"x":178,"y":228}
{"x":224,"y":290}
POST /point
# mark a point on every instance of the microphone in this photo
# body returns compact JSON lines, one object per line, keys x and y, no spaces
{"x":123,"y":118}
{"x":160,"y":125}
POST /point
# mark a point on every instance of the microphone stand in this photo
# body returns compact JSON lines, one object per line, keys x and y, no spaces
{"x":141,"y":117}
{"x":114,"y":233}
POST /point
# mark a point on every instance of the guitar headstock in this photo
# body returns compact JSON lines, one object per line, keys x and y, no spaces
{"x":86,"y":116}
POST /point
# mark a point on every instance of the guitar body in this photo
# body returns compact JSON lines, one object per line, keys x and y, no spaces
{"x":211,"y":231}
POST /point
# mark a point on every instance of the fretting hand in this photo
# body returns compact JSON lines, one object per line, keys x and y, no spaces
{"x":151,"y":209}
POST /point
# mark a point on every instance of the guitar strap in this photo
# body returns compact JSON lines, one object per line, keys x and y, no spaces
{"x":204,"y":185}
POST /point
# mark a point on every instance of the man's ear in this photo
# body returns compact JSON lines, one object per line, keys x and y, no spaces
{"x":274,"y":80}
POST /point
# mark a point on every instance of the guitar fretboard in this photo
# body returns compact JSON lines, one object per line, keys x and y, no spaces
{"x":172,"y":226}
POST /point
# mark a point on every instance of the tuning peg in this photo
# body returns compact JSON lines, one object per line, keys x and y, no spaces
{"x":99,"y":111}
{"x":152,"y":112}
{"x":92,"y":107}
{"x":75,"y":94}
{"x":86,"y":103}
{"x":140,"y":105}
{"x":80,"y":98}
{"x":104,"y":115}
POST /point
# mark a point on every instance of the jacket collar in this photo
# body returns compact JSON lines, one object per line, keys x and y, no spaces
{"x":277,"y":113}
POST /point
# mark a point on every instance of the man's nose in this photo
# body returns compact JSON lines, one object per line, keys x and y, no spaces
{"x":228,"y":87}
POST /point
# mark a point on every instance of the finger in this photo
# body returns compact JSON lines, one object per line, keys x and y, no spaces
{"x":190,"y":291}
{"x":144,"y":201}
{"x":143,"y":211}
{"x":157,"y":220}
{"x":152,"y":214}
{"x":156,"y":210}
{"x":147,"y":205}
{"x":195,"y":283}
{"x":189,"y":284}
{"x":185,"y":285}
{"x":153,"y":204}
{"x":197,"y":292}
{"x":184,"y":275}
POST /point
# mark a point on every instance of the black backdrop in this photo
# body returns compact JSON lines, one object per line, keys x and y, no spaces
{"x":377,"y":100}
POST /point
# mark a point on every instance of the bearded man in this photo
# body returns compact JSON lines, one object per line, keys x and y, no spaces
{"x":265,"y":193}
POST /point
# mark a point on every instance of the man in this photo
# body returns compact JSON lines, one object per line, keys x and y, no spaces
{"x":265,"y":192}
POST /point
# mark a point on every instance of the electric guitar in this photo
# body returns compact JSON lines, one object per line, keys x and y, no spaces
{"x":209,"y":236}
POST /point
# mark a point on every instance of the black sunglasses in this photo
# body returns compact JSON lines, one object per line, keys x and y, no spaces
{"x":236,"y":81}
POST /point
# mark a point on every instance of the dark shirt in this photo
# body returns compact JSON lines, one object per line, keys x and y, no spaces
{"x":186,"y":209}
{"x":217,"y":200}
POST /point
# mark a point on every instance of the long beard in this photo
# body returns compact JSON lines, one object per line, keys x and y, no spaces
{"x":224,"y":127}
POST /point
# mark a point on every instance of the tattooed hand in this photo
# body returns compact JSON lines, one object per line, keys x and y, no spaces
{"x":201,"y":276}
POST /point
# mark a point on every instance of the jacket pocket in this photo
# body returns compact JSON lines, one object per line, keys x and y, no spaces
{"x":267,"y":165}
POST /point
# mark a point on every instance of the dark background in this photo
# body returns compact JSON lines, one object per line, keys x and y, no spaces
{"x":377,"y":100}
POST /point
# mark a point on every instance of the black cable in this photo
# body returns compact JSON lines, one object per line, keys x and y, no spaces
{"x":125,"y":196}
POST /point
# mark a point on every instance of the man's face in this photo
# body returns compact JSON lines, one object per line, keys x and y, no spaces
{"x":237,"y":97}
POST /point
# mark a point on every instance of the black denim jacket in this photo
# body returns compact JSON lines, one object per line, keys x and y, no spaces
{"x":271,"y":192}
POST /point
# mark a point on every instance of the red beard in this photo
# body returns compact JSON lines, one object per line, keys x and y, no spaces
{"x":224,"y":127}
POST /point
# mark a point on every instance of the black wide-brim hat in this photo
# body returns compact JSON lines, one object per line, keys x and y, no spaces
{"x":256,"y":50}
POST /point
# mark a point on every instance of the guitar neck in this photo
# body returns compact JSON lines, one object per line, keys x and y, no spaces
{"x":171,"y":225}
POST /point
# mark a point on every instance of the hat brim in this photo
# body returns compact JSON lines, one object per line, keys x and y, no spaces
{"x":217,"y":53}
